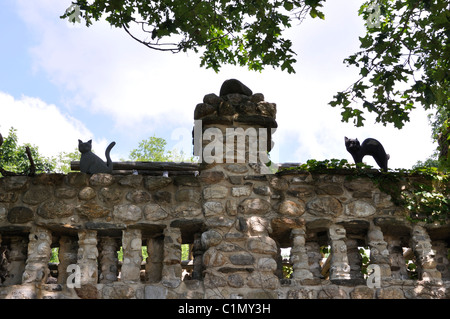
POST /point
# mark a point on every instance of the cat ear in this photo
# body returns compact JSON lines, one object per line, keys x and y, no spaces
{"x":346,"y":139}
{"x":90,"y":141}
{"x":79,"y":142}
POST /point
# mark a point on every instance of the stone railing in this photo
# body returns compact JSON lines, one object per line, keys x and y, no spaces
{"x":237,"y":221}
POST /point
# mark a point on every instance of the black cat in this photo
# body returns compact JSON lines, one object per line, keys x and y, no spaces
{"x":91,"y":163}
{"x":371,"y":147}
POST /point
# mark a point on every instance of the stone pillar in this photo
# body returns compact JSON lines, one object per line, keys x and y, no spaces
{"x":39,"y":254}
{"x":109,"y":269}
{"x":68,"y":247}
{"x":154,"y":265}
{"x":425,"y":255}
{"x":396,"y":258}
{"x":197,"y":252}
{"x":443,"y":263}
{"x":355,"y":261}
{"x":232,"y":135}
{"x":339,"y":266}
{"x":299,"y":255}
{"x":16,"y":261}
{"x":379,"y":254}
{"x":263,"y":253}
{"x":171,"y":271}
{"x":132,"y":255}
{"x":314,"y":257}
{"x":87,"y":256}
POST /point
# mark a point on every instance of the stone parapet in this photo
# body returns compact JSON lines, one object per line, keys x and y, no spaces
{"x":246,"y":232}
{"x":237,"y":229}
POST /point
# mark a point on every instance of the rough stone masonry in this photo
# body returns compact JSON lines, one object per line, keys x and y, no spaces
{"x":236,"y":220}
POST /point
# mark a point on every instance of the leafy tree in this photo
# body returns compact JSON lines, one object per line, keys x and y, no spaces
{"x":242,"y":32}
{"x":13,"y":157}
{"x":404,"y":62}
{"x":153,"y":149}
{"x":61,"y":163}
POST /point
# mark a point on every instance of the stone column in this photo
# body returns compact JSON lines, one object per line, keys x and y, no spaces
{"x":87,"y":256}
{"x":425,"y":255}
{"x":299,"y":255}
{"x":314,"y":257}
{"x":154,"y":265}
{"x":443,"y":263}
{"x":39,"y":254}
{"x":232,"y":135}
{"x":68,"y":247}
{"x":379,"y":254}
{"x":339,"y":266}
{"x":197,"y":252}
{"x":397,"y":260}
{"x":16,"y":261}
{"x":109,"y":269}
{"x":132,"y":255}
{"x":171,"y":271}
{"x":355,"y":261}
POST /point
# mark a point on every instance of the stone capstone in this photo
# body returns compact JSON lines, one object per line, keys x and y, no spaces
{"x":234,"y":86}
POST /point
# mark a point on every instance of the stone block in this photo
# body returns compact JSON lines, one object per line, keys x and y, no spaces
{"x":254,"y":206}
{"x":155,"y":292}
{"x":215,"y":192}
{"x":324,"y":206}
{"x":127,"y":213}
{"x":19,"y":215}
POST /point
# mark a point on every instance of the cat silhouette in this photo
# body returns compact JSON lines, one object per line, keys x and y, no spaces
{"x":371,"y":147}
{"x":91,"y":163}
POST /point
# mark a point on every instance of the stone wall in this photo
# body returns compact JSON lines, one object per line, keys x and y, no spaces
{"x":236,"y":219}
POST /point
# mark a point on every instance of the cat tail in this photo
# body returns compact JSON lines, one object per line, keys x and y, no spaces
{"x":108,"y":158}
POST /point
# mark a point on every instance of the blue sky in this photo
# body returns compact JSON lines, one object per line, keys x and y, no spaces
{"x":61,"y":82}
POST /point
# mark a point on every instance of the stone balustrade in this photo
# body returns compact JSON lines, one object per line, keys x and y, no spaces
{"x":237,"y":219}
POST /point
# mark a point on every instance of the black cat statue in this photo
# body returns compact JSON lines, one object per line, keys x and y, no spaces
{"x":371,"y":147}
{"x":91,"y":163}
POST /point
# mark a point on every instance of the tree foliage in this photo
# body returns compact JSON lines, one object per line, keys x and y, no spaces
{"x":14,"y":159}
{"x":404,"y":63}
{"x":239,"y":32}
{"x":153,"y":149}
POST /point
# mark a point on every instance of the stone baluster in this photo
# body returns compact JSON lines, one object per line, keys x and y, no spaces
{"x":379,"y":254}
{"x":355,"y":261}
{"x":197,"y":252}
{"x":339,"y":266}
{"x":299,"y":255}
{"x":171,"y":271}
{"x":16,"y":261}
{"x":314,"y":257}
{"x":68,"y":247}
{"x":109,"y":269}
{"x":443,"y":263}
{"x":132,"y":255}
{"x":39,"y":253}
{"x":154,"y":265}
{"x":87,"y":256}
{"x":397,"y":260}
{"x":425,"y":255}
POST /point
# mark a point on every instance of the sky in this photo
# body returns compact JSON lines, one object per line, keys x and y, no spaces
{"x":61,"y":82}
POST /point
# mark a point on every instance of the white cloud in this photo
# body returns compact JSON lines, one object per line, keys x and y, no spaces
{"x":41,"y":124}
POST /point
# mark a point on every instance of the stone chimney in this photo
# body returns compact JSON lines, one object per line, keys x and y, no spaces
{"x":235,"y":127}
